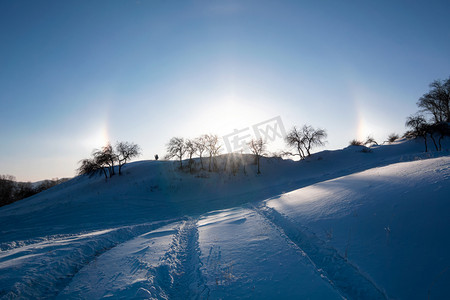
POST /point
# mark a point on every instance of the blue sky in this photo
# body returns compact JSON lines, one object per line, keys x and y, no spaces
{"x":76,"y":73}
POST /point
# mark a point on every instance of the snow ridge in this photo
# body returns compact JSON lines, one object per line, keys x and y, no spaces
{"x":341,"y":273}
{"x":185,"y":280}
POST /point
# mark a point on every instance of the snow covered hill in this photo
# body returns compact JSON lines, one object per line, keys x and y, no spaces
{"x":342,"y":224}
{"x":156,"y":190}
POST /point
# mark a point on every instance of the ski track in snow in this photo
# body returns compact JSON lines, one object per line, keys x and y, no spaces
{"x":148,"y":266}
{"x":178,"y":275}
{"x":343,"y":275}
{"x":183,"y":258}
{"x":244,"y":257}
{"x":66,"y":257}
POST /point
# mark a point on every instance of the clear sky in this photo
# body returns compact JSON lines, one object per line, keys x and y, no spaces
{"x":74,"y":74}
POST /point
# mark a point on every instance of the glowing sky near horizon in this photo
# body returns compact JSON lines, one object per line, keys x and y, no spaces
{"x":74,"y":74}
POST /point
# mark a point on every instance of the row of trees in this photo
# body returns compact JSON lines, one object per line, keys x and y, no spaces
{"x":208,"y":144}
{"x":420,"y":127}
{"x":11,"y":190}
{"x":105,"y":160}
{"x":301,"y":140}
{"x":436,"y":105}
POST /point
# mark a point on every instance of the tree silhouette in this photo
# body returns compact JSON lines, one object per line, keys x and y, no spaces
{"x":176,"y":148}
{"x":213,"y":147}
{"x":419,"y":127}
{"x":200,"y":144}
{"x":103,"y":160}
{"x":90,"y":167}
{"x":443,"y":129}
{"x":437,"y":101}
{"x":305,"y":139}
{"x":392,"y":137}
{"x":125,"y":152}
{"x":294,"y":138}
{"x":370,"y":141}
{"x":191,"y":149}
{"x":258,"y":148}
{"x":106,"y":158}
{"x":313,"y":137}
{"x":356,"y":142}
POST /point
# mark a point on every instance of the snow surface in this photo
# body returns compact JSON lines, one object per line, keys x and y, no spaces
{"x":342,"y":224}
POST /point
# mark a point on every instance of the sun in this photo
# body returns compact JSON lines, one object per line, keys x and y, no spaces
{"x":229,"y":114}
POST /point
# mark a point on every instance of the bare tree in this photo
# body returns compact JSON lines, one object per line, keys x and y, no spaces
{"x":419,"y":127}
{"x":305,"y":139}
{"x":106,"y":157}
{"x":176,"y":148}
{"x":104,"y":160}
{"x":213,"y":147}
{"x":200,"y":144}
{"x":294,"y":138}
{"x":191,"y":149}
{"x":125,"y":152}
{"x":437,"y":101}
{"x":392,"y":137}
{"x":356,"y":142}
{"x":313,"y":137}
{"x":370,"y":141}
{"x":443,"y":129}
{"x":91,"y":167}
{"x":258,"y":148}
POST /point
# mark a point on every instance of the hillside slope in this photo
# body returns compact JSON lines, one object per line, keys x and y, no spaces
{"x":376,"y":234}
{"x":156,"y":190}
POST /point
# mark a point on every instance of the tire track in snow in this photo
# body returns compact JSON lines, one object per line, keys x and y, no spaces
{"x":183,"y":278}
{"x":343,"y":275}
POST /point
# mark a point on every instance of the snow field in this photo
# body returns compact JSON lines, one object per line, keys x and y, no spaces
{"x":391,"y":223}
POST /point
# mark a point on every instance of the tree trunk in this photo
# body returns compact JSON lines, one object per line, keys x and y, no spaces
{"x":308,"y":148}
{"x":434,"y":141}
{"x":426,"y":146}
{"x":447,"y":109}
{"x":300,"y":152}
{"x":257,"y":160}
{"x":112,"y":169}
{"x":120,"y":167}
